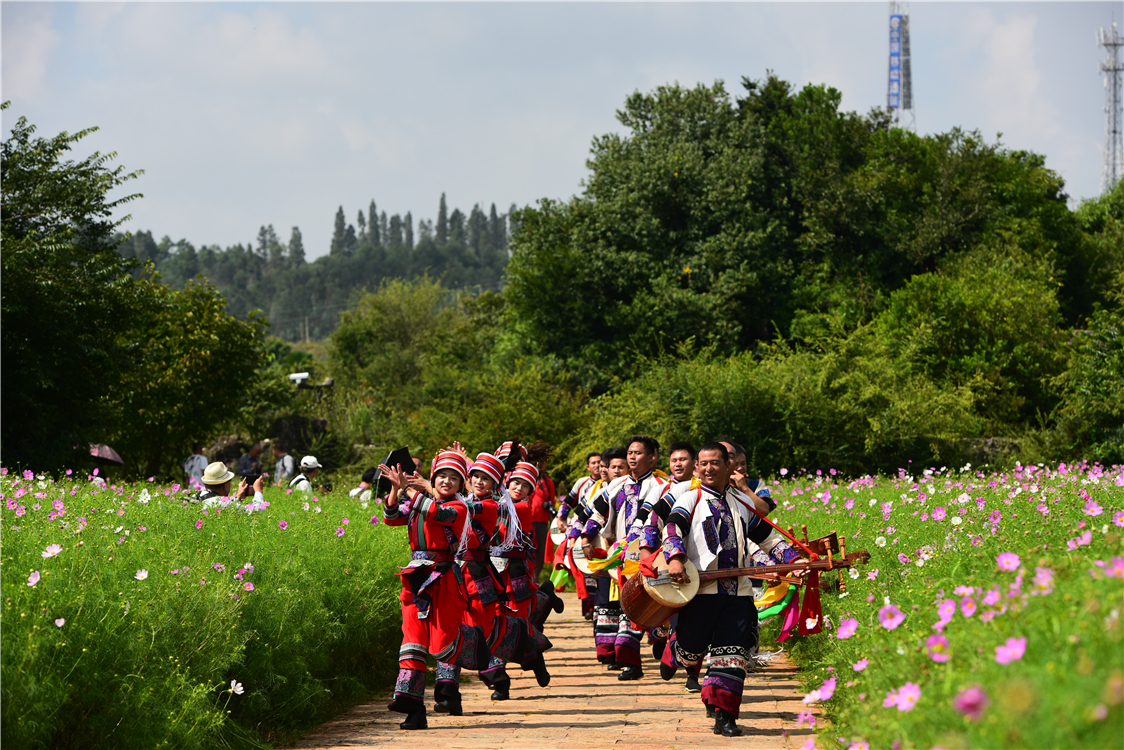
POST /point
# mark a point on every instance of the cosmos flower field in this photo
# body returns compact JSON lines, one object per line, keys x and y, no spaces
{"x":987,"y":617}
{"x":134,"y":619}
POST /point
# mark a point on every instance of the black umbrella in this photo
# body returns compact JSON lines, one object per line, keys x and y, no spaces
{"x":103,"y":454}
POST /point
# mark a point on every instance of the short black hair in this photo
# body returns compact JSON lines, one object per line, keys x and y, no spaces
{"x":369,"y":475}
{"x":649,"y":442}
{"x":714,"y":445}
{"x":196,"y":446}
{"x":591,"y":455}
{"x":679,"y":445}
{"x":613,"y":453}
{"x":738,"y":449}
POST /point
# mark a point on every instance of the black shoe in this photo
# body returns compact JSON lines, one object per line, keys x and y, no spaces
{"x":449,"y":705}
{"x":405,"y":705}
{"x":667,"y":671}
{"x":502,"y":689}
{"x":441,"y":707}
{"x":614,"y":666}
{"x":588,"y":616}
{"x":630,"y":673}
{"x":725,"y":725}
{"x":692,"y":684}
{"x":709,"y":711}
{"x":657,"y":649}
{"x":541,"y":675}
{"x":415,"y":720}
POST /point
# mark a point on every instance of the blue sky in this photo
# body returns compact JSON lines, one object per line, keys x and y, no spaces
{"x":250,"y":114}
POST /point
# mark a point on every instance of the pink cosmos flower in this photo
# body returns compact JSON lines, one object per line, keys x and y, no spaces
{"x":248,"y":586}
{"x":1092,"y":509}
{"x":282,"y":525}
{"x":939,"y":513}
{"x":141,"y":574}
{"x":847,"y":628}
{"x":946,"y":609}
{"x":1115,"y":568}
{"x":890,"y":617}
{"x":1043,"y":581}
{"x":991,"y":598}
{"x":1010,"y":651}
{"x":60,"y":622}
{"x":1118,"y":518}
{"x":859,"y":744}
{"x":908,"y":695}
{"x":849,"y":504}
{"x":936,"y":647}
{"x":860,"y":665}
{"x":33,"y":578}
{"x":873,"y":574}
{"x":806,"y":717}
{"x":1043,"y":509}
{"x":374,"y":520}
{"x":903,"y":558}
{"x":995,"y":516}
{"x":344,"y":521}
{"x":971,"y":702}
{"x":339,"y":531}
{"x":199,"y":524}
{"x":1008,"y":561}
{"x":1081,"y":541}
{"x":963,"y":590}
{"x":52,"y":550}
{"x":967,"y":606}
{"x":822,"y":693}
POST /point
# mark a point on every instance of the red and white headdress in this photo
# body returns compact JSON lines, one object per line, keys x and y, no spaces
{"x":489,"y":465}
{"x":529,"y":473}
{"x":451,"y":460}
{"x":505,"y":450}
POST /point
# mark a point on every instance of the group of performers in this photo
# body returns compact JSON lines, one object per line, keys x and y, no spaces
{"x":469,"y":594}
{"x":707,"y":511}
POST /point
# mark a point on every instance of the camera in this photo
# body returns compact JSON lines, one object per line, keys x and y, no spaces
{"x":298,"y":377}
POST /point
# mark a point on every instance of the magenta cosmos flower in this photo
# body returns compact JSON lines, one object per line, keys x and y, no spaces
{"x":847,"y":628}
{"x":282,"y":525}
{"x":905,"y":697}
{"x":860,"y":665}
{"x":936,"y":647}
{"x":248,"y":586}
{"x":1008,"y":561}
{"x":199,"y":524}
{"x":939,"y":513}
{"x":1010,"y":651}
{"x":971,"y":702}
{"x":339,"y":531}
{"x":890,"y":616}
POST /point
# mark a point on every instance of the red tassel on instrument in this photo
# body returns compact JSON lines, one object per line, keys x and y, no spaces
{"x":789,"y":618}
{"x":647,"y":565}
{"x":811,"y":608}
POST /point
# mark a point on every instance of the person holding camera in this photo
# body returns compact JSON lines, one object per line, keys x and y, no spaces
{"x":250,"y":463}
{"x":285,"y":466}
{"x":216,"y":485}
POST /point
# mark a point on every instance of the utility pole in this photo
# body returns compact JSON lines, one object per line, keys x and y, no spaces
{"x":1111,"y":68}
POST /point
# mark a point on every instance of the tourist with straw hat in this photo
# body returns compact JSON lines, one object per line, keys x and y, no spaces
{"x":216,"y":484}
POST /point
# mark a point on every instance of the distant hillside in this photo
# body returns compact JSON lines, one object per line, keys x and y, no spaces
{"x":303,"y":300}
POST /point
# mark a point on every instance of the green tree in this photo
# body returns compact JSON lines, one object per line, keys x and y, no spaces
{"x":66,"y":295}
{"x":442,"y":221}
{"x":339,"y":234}
{"x":296,"y":248}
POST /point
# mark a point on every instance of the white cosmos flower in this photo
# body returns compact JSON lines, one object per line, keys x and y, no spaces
{"x":853,"y":573}
{"x":236,"y":687}
{"x":880,"y":541}
{"x":957,"y":520}
{"x":141,"y":574}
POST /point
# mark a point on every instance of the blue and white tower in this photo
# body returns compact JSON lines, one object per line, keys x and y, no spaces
{"x":899,"y":89}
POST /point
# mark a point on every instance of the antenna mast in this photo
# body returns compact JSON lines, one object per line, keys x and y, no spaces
{"x":899,"y":92}
{"x":1111,"y":67}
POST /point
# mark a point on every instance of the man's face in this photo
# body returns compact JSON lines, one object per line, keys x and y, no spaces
{"x":618,"y":467}
{"x":311,"y":473}
{"x":682,"y":465}
{"x":594,"y":467}
{"x":276,"y":452}
{"x":713,"y":470}
{"x":255,"y":451}
{"x":640,"y":461}
{"x":740,"y":464}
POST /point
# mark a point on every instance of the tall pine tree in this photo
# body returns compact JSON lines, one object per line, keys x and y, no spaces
{"x":361,"y":222}
{"x":442,"y":221}
{"x":296,"y":248}
{"x":339,"y":235}
{"x":408,"y":228}
{"x":373,"y":223}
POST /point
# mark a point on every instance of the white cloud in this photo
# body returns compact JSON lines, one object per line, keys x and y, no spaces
{"x":30,"y":41}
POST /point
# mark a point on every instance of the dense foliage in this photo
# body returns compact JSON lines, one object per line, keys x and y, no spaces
{"x":129,"y":612}
{"x":304,"y":300}
{"x":988,"y":615}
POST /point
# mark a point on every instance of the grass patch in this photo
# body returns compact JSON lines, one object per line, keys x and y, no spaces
{"x":976,"y":563}
{"x":136,"y":626}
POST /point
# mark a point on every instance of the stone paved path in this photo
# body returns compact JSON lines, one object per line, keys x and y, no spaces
{"x":584,"y":707}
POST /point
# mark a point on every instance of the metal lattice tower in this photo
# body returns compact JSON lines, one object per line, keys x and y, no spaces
{"x":1112,"y":68}
{"x":899,"y":88}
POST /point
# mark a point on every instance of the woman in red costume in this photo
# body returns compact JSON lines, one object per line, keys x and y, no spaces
{"x":433,"y":599}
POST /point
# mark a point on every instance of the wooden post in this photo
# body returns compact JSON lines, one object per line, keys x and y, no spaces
{"x":843,"y":554}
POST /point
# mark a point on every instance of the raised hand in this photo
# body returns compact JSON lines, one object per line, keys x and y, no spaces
{"x":391,"y":475}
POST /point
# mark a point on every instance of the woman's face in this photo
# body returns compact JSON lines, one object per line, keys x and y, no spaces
{"x":519,"y":490}
{"x":446,"y":483}
{"x":482,"y":484}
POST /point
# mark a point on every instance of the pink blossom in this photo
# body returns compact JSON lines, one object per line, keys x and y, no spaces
{"x":339,"y":531}
{"x":33,"y":578}
{"x":1118,"y":516}
{"x":822,"y":693}
{"x":991,"y":598}
{"x":847,"y":628}
{"x":1043,"y":581}
{"x":199,"y":524}
{"x":860,"y":665}
{"x":806,"y":717}
{"x":248,"y":586}
{"x":60,"y":622}
{"x":859,"y":744}
{"x":963,"y":590}
{"x":908,"y":695}
{"x":1081,"y":541}
{"x":967,"y":606}
{"x":1010,"y":651}
{"x":1115,"y":568}
{"x":946,"y":609}
{"x":903,"y":558}
{"x":1092,"y":509}
{"x":1008,"y":561}
{"x":52,"y":550}
{"x":971,"y":702}
{"x":282,"y":524}
{"x":374,"y":520}
{"x":936,"y":647}
{"x":939,"y":513}
{"x":873,"y":574}
{"x":890,"y":617}
{"x":344,"y":521}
